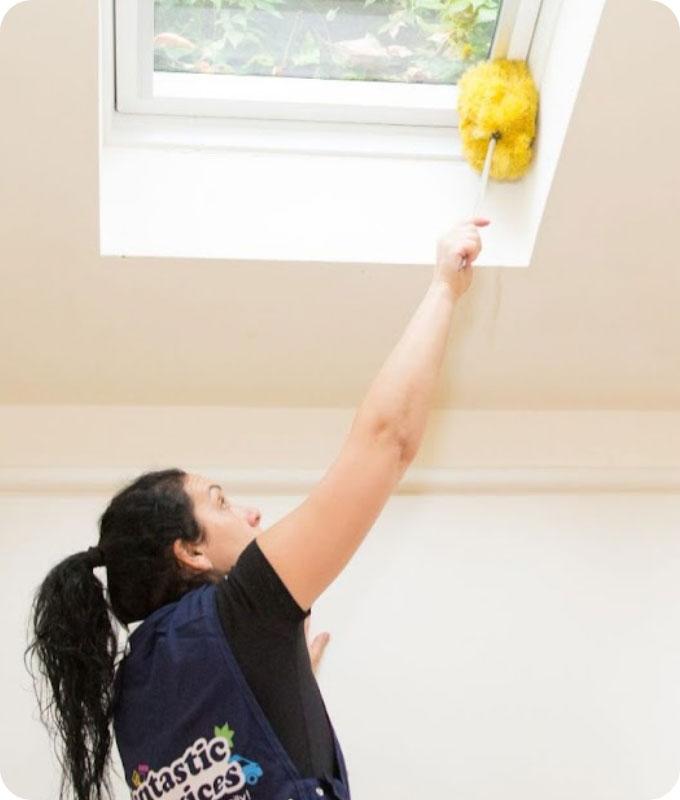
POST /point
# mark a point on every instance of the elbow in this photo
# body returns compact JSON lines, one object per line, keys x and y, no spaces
{"x":394,"y":435}
{"x":408,"y":450}
{"x":404,"y":441}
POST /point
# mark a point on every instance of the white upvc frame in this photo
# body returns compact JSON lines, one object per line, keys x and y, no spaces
{"x":307,"y":190}
{"x":141,"y":91}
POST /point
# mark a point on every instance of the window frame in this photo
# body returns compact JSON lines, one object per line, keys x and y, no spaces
{"x":285,"y":99}
{"x":295,"y":191}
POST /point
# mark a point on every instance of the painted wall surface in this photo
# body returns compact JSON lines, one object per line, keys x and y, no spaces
{"x":530,"y":639}
{"x":517,"y":647}
{"x":485,"y":644}
{"x":592,"y":323}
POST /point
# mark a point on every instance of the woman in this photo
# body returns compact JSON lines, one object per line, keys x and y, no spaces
{"x":215,"y":696}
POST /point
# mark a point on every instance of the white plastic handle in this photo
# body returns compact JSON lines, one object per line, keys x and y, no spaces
{"x":482,"y":184}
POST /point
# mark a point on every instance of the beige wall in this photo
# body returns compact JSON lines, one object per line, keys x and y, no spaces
{"x":483,"y":646}
{"x":492,"y":637}
{"x":308,"y":438}
{"x":526,"y":625}
{"x":592,"y":323}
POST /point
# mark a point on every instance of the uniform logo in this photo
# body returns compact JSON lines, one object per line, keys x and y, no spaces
{"x":207,"y":770}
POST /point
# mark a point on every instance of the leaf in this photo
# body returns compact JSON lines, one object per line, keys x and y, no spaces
{"x":398,"y":51}
{"x":331,"y":14}
{"x":309,"y":52}
{"x":361,"y":52}
{"x":235,"y":37}
{"x":487,"y":14}
{"x":173,"y":40}
{"x":261,"y":60}
{"x":453,"y":6}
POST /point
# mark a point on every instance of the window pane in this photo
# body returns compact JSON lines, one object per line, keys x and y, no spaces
{"x":404,"y":41}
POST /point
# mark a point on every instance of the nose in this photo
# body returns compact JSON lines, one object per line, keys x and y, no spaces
{"x":251,"y":515}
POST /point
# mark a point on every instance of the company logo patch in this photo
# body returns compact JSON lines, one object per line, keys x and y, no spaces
{"x":206,"y":769}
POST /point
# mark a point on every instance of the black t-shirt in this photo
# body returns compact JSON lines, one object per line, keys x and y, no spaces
{"x":265,"y":627}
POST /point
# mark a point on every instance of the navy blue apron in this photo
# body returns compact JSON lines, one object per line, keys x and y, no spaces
{"x":188,"y":726}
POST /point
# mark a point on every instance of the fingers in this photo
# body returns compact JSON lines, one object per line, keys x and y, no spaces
{"x":317,"y":647}
{"x":469,"y":240}
{"x":462,"y":242}
{"x":469,"y":246}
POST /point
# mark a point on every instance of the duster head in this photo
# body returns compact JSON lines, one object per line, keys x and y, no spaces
{"x":498,"y":98}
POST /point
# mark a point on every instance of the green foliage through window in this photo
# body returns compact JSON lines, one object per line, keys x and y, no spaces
{"x":407,"y":41}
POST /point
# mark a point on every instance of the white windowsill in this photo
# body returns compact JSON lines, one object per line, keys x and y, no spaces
{"x":234,"y":204}
{"x":189,"y":187}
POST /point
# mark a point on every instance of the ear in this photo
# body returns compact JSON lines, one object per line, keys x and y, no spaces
{"x":188,"y":555}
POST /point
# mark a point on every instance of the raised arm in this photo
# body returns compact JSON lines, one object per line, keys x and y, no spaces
{"x":311,"y":545}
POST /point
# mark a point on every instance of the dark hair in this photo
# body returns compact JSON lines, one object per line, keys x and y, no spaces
{"x":75,"y":640}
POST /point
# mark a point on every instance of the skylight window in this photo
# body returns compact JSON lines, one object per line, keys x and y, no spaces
{"x":404,"y":41}
{"x":230,"y":136}
{"x":372,"y":61}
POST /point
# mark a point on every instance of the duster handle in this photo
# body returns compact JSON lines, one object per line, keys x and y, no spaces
{"x":482,"y":184}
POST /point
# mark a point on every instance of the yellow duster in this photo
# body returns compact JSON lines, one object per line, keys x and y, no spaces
{"x":498,"y":99}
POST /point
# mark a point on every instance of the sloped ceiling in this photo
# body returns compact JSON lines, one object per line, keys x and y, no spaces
{"x":593,"y":323}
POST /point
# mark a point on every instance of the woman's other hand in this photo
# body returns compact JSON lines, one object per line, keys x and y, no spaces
{"x":316,"y":646}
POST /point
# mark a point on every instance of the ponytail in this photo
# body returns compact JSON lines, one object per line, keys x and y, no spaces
{"x":76,"y":646}
{"x":75,"y":641}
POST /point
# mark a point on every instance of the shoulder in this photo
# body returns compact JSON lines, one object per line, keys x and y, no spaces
{"x":253,"y":586}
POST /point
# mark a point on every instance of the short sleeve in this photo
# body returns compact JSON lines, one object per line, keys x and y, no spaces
{"x":254,"y":585}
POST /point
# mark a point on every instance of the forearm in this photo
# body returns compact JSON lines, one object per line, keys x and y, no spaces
{"x":398,"y":401}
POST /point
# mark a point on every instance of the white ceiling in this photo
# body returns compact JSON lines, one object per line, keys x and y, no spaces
{"x":593,"y":323}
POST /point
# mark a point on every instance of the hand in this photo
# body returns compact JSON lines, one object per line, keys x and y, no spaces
{"x":316,"y":646}
{"x":456,"y":250}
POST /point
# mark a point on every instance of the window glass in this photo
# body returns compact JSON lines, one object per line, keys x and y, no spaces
{"x":403,"y":41}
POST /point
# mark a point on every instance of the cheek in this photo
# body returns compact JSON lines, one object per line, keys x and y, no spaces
{"x":225,"y":525}
{"x":217,"y":525}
